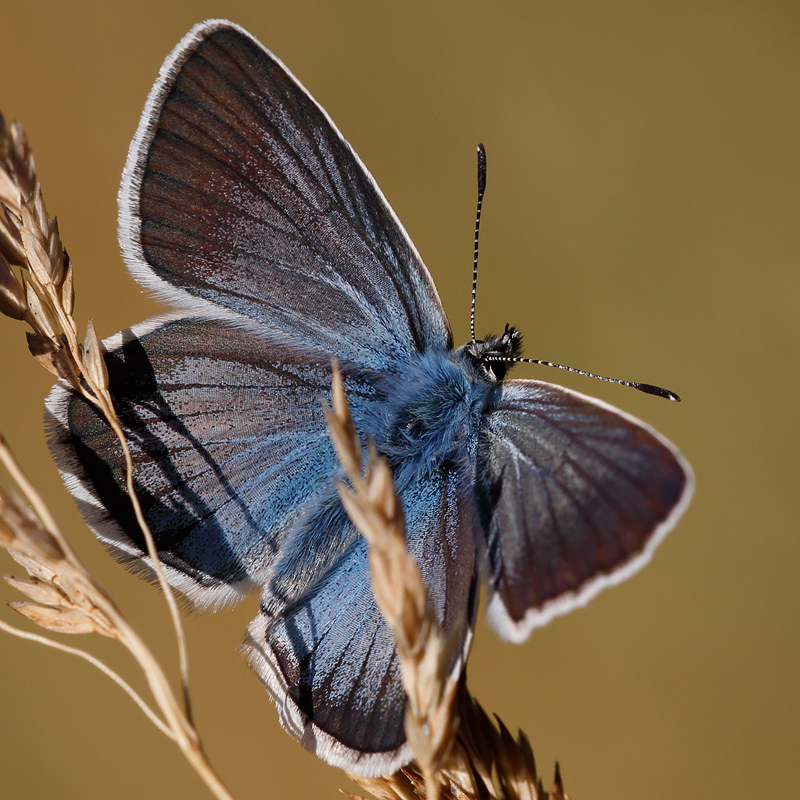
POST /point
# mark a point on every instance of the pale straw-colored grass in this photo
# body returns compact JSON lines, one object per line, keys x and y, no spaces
{"x":67,"y":598}
{"x":459,"y":754}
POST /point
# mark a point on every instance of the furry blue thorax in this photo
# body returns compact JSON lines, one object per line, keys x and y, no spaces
{"x":433,"y":411}
{"x":435,"y":406}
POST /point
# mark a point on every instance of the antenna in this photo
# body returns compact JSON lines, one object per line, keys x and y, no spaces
{"x":481,"y":190}
{"x":647,"y":388}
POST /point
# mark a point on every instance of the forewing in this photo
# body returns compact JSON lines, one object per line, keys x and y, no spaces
{"x":329,"y":658}
{"x":228,"y":439}
{"x":574,"y":496}
{"x":240,"y":197}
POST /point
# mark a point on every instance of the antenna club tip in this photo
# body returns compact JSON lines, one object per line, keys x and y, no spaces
{"x":658,"y":391}
{"x":481,"y":168}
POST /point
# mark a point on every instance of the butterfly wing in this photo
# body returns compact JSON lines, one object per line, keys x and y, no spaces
{"x":242,"y":204}
{"x":234,"y":467}
{"x":241,"y":199}
{"x":574,"y":496}
{"x":329,"y":657}
{"x":229,"y":444}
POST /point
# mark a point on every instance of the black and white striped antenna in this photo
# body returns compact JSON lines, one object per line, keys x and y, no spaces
{"x":481,"y":190}
{"x":647,"y":388}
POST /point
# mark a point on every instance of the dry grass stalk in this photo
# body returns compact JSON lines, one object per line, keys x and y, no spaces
{"x":424,"y":651}
{"x":459,"y":753}
{"x":67,"y":599}
{"x":44,"y":298}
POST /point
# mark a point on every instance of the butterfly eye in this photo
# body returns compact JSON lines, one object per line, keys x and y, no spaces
{"x":490,"y":359}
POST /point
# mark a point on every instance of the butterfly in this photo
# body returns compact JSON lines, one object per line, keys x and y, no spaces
{"x":243,"y":207}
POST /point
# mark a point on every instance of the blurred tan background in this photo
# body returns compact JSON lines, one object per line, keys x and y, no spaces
{"x":642,"y":220}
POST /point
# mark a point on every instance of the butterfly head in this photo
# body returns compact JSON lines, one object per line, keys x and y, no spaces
{"x":487,"y":357}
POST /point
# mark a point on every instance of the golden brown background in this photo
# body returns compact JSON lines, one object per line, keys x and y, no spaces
{"x":642,"y":220}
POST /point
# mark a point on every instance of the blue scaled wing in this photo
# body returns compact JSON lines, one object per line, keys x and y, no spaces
{"x":574,"y":496}
{"x":242,"y":205}
{"x":241,"y":199}
{"x":229,"y":444}
{"x":328,"y":656}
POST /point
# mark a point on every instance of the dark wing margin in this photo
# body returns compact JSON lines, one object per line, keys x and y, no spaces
{"x":574,"y":496}
{"x":240,"y":198}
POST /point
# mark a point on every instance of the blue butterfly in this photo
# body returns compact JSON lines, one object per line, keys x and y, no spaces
{"x":242,"y":206}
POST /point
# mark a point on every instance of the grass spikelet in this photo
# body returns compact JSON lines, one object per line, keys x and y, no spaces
{"x":66,"y":598}
{"x":459,"y":753}
{"x":424,"y":651}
